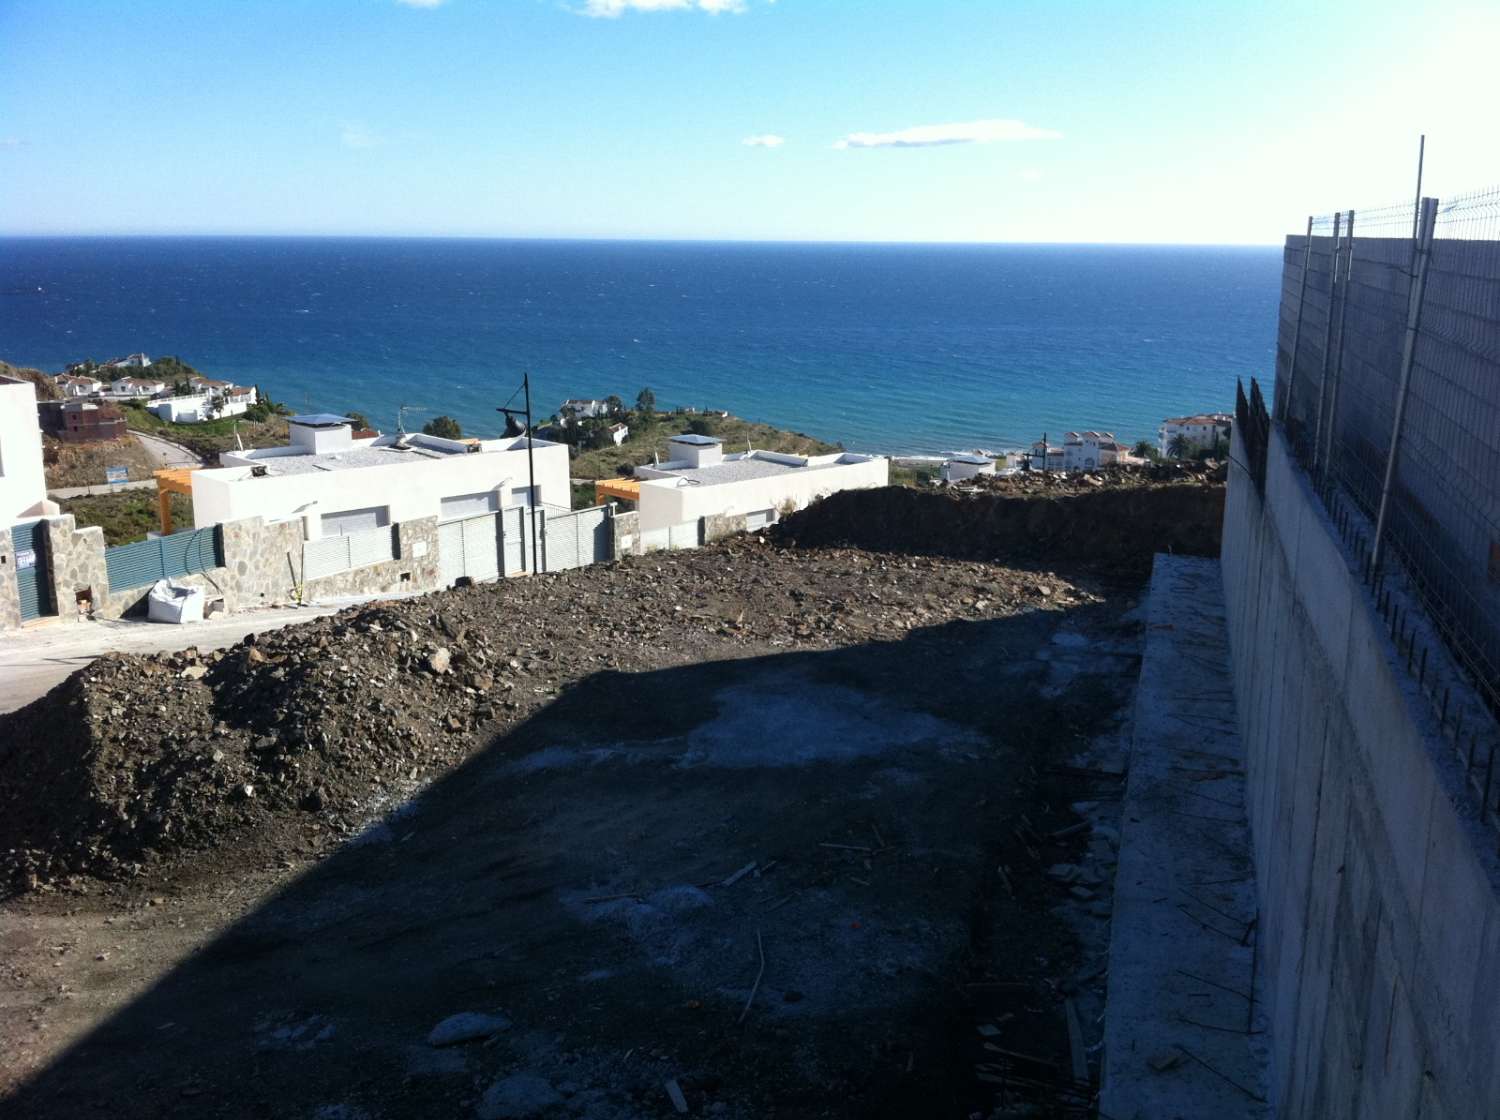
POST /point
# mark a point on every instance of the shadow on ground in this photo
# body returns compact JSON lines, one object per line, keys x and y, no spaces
{"x":582,"y":881}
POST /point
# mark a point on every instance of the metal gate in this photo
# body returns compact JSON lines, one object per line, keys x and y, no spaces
{"x":29,"y":542}
{"x":576,"y":538}
{"x":470,"y":547}
{"x":515,"y":545}
{"x":136,"y":565}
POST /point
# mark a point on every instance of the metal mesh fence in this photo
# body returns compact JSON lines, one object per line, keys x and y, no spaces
{"x":1388,"y":390}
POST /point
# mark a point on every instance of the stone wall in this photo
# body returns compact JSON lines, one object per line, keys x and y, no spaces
{"x":417,"y":567}
{"x":626,"y":528}
{"x":75,"y":565}
{"x":10,"y":591}
{"x":1379,"y":886}
{"x":716,"y":525}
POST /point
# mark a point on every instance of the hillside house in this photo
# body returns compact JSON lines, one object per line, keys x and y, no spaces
{"x":701,"y":481}
{"x":956,"y":468}
{"x":183,"y":410}
{"x":131,"y":361}
{"x":79,"y":385}
{"x":1088,"y":451}
{"x":583,"y":409}
{"x":1197,"y":432}
{"x":81,"y":421}
{"x":1048,"y":456}
{"x":136,"y":387}
{"x":336,"y":484}
{"x":619,"y":433}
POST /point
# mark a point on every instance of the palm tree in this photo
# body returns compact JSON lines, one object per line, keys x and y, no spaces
{"x":1179,"y":446}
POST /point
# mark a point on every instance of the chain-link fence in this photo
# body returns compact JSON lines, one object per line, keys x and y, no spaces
{"x":1388,"y":390}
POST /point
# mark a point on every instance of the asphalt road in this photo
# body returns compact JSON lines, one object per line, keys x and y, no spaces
{"x":166,"y":453}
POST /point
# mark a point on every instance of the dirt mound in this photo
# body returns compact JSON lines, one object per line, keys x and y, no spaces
{"x":299,"y":733}
{"x":1113,"y":477}
{"x":1114,"y":528}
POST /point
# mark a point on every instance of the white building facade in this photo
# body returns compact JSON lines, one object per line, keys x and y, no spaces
{"x":337,"y":484}
{"x":960,"y":467}
{"x":23,"y":483}
{"x":79,"y":385}
{"x":1199,"y":431}
{"x":136,"y":387}
{"x":701,"y":481}
{"x":1088,"y":451}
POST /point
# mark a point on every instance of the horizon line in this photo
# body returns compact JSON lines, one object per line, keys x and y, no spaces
{"x":143,"y":236}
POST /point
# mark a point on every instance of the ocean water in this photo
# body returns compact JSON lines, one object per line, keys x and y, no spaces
{"x":891,"y":348}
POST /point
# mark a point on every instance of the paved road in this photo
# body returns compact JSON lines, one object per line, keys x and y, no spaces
{"x":107,"y":488}
{"x":166,"y":453}
{"x":36,"y":658}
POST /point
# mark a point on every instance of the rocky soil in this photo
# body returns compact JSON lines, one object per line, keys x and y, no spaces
{"x":290,"y":740}
{"x":1114,"y":520}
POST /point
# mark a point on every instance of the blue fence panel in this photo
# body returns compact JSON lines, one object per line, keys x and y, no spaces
{"x":136,"y":565}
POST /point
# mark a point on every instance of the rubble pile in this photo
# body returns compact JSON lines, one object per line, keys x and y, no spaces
{"x":295,"y":736}
{"x":1115,"y":476}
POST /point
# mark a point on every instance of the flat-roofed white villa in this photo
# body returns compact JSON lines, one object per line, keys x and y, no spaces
{"x":338,"y":484}
{"x":701,"y":481}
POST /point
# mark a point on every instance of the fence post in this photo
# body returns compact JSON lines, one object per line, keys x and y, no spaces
{"x":1338,"y":364}
{"x":1335,"y":258}
{"x":1408,"y":352}
{"x":1283,"y":406}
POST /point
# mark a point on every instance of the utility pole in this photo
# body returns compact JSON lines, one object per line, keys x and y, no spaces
{"x":510,"y":415}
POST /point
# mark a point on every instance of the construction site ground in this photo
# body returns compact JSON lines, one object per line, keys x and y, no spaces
{"x":746,"y":831}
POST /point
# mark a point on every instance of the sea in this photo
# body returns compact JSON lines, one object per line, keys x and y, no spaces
{"x":891,"y":348}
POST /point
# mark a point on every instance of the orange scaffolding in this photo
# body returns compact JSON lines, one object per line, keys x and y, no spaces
{"x":172,"y":480}
{"x":621,"y":489}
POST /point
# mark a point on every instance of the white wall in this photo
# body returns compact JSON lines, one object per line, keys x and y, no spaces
{"x":410,"y":490}
{"x":956,"y":470}
{"x":180,"y":410}
{"x":23,"y":485}
{"x":671,"y":501}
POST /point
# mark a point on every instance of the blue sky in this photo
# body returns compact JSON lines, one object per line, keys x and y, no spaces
{"x":1131,"y":122}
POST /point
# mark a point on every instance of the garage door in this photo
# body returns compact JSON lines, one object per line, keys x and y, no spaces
{"x":356,"y":520}
{"x":470,"y":547}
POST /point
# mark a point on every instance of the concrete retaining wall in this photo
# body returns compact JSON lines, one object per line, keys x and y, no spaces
{"x":1379,"y":889}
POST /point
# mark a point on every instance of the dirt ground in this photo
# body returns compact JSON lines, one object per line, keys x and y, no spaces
{"x":789,"y":833}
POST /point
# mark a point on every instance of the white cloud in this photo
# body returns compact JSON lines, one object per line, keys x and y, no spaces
{"x":9,"y":143}
{"x":931,"y":135}
{"x":765,"y":140}
{"x":614,"y":9}
{"x":420,"y":3}
{"x":357,"y":134}
{"x":1031,"y":175}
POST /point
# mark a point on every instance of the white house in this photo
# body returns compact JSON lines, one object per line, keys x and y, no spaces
{"x":619,"y":433}
{"x":132,"y":361}
{"x":337,"y":484}
{"x":136,"y":387}
{"x":1087,"y":451}
{"x":1045,"y":457}
{"x":236,"y":401}
{"x":701,"y":481}
{"x":1202,"y":430}
{"x":956,"y":468}
{"x":23,"y":484}
{"x":583,"y":409}
{"x":79,"y":385}
{"x":183,"y":410}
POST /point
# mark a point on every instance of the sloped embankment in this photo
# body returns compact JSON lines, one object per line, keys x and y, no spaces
{"x":1119,"y":527}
